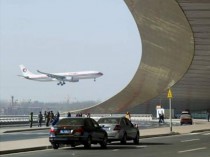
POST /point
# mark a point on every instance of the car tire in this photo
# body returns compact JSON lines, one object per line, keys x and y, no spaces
{"x":124,"y":139}
{"x":88,"y":143}
{"x":104,"y":142}
{"x":55,"y":145}
{"x":136,"y":139}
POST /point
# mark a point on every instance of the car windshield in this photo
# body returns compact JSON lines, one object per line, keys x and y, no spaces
{"x":109,"y":120}
{"x":71,"y":121}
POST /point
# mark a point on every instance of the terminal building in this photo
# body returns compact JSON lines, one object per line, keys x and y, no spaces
{"x":175,"y":38}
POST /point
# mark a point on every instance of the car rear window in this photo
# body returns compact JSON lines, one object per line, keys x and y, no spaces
{"x":71,"y":121}
{"x":109,"y":120}
{"x":186,"y":116}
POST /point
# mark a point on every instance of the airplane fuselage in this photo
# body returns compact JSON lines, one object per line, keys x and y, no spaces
{"x":60,"y":77}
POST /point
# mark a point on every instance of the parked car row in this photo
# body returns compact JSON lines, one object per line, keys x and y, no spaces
{"x":74,"y":131}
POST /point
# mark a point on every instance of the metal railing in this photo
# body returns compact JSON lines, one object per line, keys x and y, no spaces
{"x":23,"y":119}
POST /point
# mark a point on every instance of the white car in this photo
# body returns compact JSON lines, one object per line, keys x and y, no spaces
{"x":119,"y":129}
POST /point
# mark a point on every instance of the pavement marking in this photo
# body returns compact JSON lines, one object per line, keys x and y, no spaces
{"x":197,"y":139}
{"x":143,"y":146}
{"x":194,"y":133}
{"x":114,"y":150}
{"x":191,"y":150}
{"x":206,"y":134}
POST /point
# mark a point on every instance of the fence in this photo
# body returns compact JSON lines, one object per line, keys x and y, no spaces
{"x":24,"y":119}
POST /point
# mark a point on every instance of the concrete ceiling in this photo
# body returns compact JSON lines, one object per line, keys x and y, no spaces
{"x":193,"y":90}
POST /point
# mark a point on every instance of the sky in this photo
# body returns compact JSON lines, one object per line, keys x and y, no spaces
{"x":67,"y":36}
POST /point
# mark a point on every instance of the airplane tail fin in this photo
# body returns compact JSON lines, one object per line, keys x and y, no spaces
{"x":25,"y":71}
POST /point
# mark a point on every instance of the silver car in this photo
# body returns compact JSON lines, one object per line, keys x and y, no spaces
{"x":119,"y":129}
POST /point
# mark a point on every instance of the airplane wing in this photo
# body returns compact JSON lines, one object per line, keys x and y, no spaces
{"x":58,"y":77}
{"x":23,"y":76}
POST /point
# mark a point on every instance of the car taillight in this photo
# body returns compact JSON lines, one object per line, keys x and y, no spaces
{"x":117,"y":127}
{"x":52,"y":132}
{"x":78,"y":131}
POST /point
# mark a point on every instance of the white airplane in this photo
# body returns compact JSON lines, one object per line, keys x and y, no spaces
{"x":60,"y":77}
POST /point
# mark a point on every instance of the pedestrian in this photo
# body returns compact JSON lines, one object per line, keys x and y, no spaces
{"x":51,"y":116}
{"x":68,"y":114}
{"x":31,"y":119}
{"x":47,"y":119}
{"x":45,"y":116}
{"x":128,"y":116}
{"x":160,"y":118}
{"x":40,"y":118}
{"x":58,"y":115}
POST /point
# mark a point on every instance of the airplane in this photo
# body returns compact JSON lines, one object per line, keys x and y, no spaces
{"x":62,"y":78}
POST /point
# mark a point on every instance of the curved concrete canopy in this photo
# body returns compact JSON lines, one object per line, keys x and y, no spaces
{"x":193,"y":90}
{"x":167,"y":52}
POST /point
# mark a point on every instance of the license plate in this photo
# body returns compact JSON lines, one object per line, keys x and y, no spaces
{"x":106,"y":128}
{"x":65,"y":131}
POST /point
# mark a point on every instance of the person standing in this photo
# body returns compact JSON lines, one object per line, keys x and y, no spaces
{"x":47,"y":119}
{"x":128,"y":115}
{"x":45,"y":116}
{"x":51,"y":116}
{"x":40,"y":118}
{"x":31,"y":119}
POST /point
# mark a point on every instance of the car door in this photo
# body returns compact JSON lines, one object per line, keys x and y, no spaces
{"x":98,"y":133}
{"x":130,"y":129}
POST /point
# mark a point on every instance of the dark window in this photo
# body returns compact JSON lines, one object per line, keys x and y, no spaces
{"x":71,"y":121}
{"x":88,"y":123}
{"x":95,"y":123}
{"x":123,"y":122}
{"x":109,"y":120}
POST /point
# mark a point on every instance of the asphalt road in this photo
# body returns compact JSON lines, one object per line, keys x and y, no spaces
{"x":45,"y":133}
{"x":190,"y":145}
{"x":24,"y":135}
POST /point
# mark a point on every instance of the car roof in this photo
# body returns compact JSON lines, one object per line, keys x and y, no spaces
{"x":111,"y":117}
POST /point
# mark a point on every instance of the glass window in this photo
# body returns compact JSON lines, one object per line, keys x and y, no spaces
{"x":88,"y":123}
{"x":71,"y":121}
{"x":95,"y":123}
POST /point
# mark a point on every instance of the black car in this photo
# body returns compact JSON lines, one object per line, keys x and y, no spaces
{"x":76,"y":131}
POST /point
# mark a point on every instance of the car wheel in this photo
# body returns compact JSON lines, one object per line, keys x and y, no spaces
{"x":104,"y":142}
{"x":55,"y":145}
{"x":136,"y":140}
{"x":88,"y":142}
{"x":124,"y":139}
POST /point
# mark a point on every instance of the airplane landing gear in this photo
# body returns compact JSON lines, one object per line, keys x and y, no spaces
{"x":61,"y":83}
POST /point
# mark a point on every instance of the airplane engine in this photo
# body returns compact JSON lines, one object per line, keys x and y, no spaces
{"x":72,"y":79}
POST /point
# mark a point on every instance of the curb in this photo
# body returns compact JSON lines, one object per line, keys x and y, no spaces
{"x":160,"y":135}
{"x":30,"y":129}
{"x":24,"y":150}
{"x":203,"y":130}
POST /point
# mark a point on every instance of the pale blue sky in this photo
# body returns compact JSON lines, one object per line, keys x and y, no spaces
{"x":67,"y":35}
